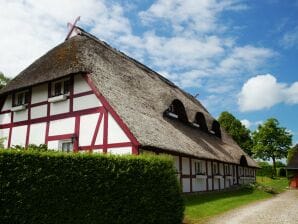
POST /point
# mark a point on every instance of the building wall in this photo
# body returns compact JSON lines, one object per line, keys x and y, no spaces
{"x":209,"y":181}
{"x":81,"y":118}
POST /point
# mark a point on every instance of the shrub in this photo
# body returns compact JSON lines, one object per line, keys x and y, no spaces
{"x":281,"y":172}
{"x":48,"y":187}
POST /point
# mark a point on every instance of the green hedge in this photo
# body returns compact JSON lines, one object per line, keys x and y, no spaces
{"x":47,"y":187}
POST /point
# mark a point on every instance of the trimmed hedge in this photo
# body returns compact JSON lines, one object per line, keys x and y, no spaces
{"x":48,"y":187}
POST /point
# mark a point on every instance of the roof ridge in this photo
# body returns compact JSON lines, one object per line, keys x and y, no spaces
{"x":141,"y":65}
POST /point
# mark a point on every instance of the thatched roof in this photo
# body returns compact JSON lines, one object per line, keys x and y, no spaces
{"x":138,"y":94}
{"x":293,"y":163}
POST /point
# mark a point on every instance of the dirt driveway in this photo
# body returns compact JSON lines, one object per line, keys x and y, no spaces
{"x":278,"y":210}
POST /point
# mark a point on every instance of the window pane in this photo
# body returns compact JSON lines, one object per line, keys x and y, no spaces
{"x":66,"y":86}
{"x":20,"y":99}
{"x":27,"y":96}
{"x":58,"y":89}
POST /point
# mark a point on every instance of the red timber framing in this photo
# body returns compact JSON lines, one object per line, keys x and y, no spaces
{"x":103,"y":111}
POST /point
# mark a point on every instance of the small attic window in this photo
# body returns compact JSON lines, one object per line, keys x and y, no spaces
{"x":177,"y":110}
{"x":60,"y":87}
{"x":243,"y":161}
{"x":200,"y":121}
{"x":21,"y":98}
{"x":216,"y":129}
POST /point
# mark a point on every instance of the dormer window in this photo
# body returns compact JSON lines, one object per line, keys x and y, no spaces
{"x":200,"y":122}
{"x":21,"y":98}
{"x":216,"y":129}
{"x":60,"y":87}
{"x":176,"y":110}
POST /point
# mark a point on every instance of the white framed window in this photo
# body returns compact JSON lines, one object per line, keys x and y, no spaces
{"x":199,"y":167}
{"x":65,"y":145}
{"x":215,"y":170}
{"x":21,"y":98}
{"x":60,"y":87}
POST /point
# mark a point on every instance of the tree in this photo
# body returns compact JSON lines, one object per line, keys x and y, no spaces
{"x":271,"y":141}
{"x":237,"y":131}
{"x":292,"y":151}
{"x":3,"y":80}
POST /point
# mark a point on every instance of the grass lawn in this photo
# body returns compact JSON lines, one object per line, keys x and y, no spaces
{"x":203,"y":206}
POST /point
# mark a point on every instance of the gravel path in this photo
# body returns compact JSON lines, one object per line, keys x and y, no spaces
{"x":278,"y":210}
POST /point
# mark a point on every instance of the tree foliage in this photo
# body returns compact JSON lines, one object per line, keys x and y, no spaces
{"x":270,"y":141}
{"x":3,"y":80}
{"x":237,"y":130}
{"x":292,"y":151}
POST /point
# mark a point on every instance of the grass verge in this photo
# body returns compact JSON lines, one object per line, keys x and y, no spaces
{"x":199,"y":208}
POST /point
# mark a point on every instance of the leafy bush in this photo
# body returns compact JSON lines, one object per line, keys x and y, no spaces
{"x":281,"y":172}
{"x":266,"y":169}
{"x":48,"y":187}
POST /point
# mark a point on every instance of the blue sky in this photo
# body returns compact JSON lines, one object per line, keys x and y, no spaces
{"x":240,"y":56}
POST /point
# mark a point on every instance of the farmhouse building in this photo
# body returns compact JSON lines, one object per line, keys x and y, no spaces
{"x":85,"y":96}
{"x":293,"y":168}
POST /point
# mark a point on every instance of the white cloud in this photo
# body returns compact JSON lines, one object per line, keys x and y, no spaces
{"x":30,"y":28}
{"x":250,"y":124}
{"x":246,"y":123}
{"x":200,"y":16}
{"x":263,"y":91}
{"x":290,"y":38}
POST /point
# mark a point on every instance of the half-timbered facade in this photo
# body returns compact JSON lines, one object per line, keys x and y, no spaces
{"x":84,"y":96}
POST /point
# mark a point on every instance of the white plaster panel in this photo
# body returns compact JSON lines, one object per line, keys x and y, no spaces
{"x":222,"y":183}
{"x":209,"y":168}
{"x":37,"y":133}
{"x":62,"y":126}
{"x":39,"y":93}
{"x":99,"y":137}
{"x":86,"y":102}
{"x":185,"y":165}
{"x":87,"y":128}
{"x":80,"y":85}
{"x":53,"y":145}
{"x":120,"y":150}
{"x":209,"y":184}
{"x":186,"y":184}
{"x":7,"y":104}
{"x":176,"y":162}
{"x":18,"y":135}
{"x":216,"y":183}
{"x":5,"y":118}
{"x":227,"y":183}
{"x":115,"y":132}
{"x":20,"y":115}
{"x":40,"y":111}
{"x":4,"y":133}
{"x":97,"y":150}
{"x":221,"y":169}
{"x":198,"y":184}
{"x":60,"y":107}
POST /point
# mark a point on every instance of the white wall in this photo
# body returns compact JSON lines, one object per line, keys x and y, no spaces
{"x":39,"y":93}
{"x":62,"y":126}
{"x":37,"y":133}
{"x":20,"y":115}
{"x":80,"y":85}
{"x":59,"y":107}
{"x":185,"y":166}
{"x":86,"y":102}
{"x":87,"y":128}
{"x":18,"y":136}
{"x":120,"y":150}
{"x":186,"y":184}
{"x":53,"y":145}
{"x":115,"y":132}
{"x":8,"y":103}
{"x":39,"y":111}
{"x":198,"y":184}
{"x":5,"y":118}
{"x":4,"y":134}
